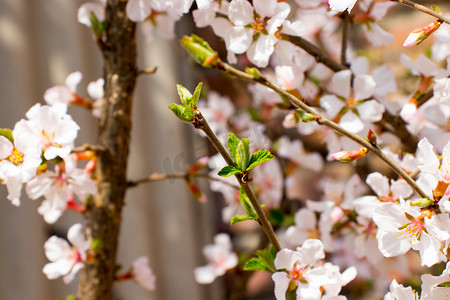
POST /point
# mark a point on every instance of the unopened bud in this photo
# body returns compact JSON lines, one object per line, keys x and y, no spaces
{"x":371,"y":138}
{"x":418,"y":35}
{"x":200,"y":50}
{"x":304,"y":116}
{"x":348,"y":156}
{"x":423,"y":202}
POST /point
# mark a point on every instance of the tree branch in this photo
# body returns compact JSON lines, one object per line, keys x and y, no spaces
{"x":321,"y":120}
{"x":201,"y":123}
{"x":423,"y":9}
{"x":159,"y":177}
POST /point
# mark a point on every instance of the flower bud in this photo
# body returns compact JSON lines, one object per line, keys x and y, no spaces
{"x":200,"y":50}
{"x":418,"y":35}
{"x":348,"y":156}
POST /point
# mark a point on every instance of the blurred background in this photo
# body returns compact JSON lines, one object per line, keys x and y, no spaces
{"x":41,"y":42}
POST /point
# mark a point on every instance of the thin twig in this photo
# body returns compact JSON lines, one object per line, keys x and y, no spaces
{"x":147,"y":71}
{"x":315,"y":51}
{"x":88,"y":147}
{"x":424,"y":9}
{"x":322,"y":120}
{"x":202,"y":124}
{"x":159,"y":177}
{"x":345,"y":31}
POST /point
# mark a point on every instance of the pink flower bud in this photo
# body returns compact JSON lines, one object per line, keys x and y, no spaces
{"x":417,"y":36}
{"x":348,"y":156}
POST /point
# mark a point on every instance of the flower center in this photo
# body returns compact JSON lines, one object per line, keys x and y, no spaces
{"x":258,"y":25}
{"x":16,"y":156}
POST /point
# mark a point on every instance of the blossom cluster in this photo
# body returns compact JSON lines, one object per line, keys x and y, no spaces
{"x":363,"y":221}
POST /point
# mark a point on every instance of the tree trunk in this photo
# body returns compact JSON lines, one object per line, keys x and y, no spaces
{"x":104,"y":218}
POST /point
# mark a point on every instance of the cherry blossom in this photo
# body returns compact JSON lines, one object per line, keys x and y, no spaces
{"x":220,"y":258}
{"x":142,"y":274}
{"x":60,"y":186}
{"x":351,"y":108}
{"x":302,"y":268}
{"x":62,"y":95}
{"x":91,"y":7}
{"x":19,"y":160}
{"x":342,"y":5}
{"x":295,"y":151}
{"x":66,"y":260}
{"x":55,"y":130}
{"x":252,"y":28}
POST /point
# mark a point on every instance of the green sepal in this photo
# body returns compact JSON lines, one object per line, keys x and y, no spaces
{"x":232,"y":143}
{"x":97,"y":27}
{"x":240,"y":218}
{"x":247,"y":205}
{"x":264,"y":261}
{"x":185,"y":114}
{"x":243,"y":154}
{"x":7,"y":133}
{"x":259,"y":157}
{"x":228,"y":171}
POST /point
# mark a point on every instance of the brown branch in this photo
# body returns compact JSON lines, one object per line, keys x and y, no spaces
{"x":104,"y":216}
{"x":321,"y":120}
{"x":88,"y":147}
{"x":159,"y":177}
{"x":423,"y":9}
{"x":202,"y":124}
{"x":315,"y":51}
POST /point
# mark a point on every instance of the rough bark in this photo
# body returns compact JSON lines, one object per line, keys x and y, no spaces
{"x":104,"y":218}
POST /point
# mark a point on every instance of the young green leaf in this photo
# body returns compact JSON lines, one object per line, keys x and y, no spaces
{"x":228,"y":171}
{"x":183,"y":113}
{"x":255,"y":264}
{"x":247,"y":205}
{"x":264,"y":261}
{"x":258,"y":158}
{"x":240,"y":218}
{"x":232,"y":143}
{"x":7,"y":133}
{"x":196,"y":95}
{"x":243,"y":154}
{"x":185,"y":95}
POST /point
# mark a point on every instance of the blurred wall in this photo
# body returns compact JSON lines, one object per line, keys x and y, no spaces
{"x":41,"y":42}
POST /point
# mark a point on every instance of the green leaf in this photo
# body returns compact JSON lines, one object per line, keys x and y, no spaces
{"x":232,"y":143}
{"x":228,"y":171}
{"x":436,"y":9}
{"x":243,"y":154}
{"x":247,"y":205}
{"x":7,"y":133}
{"x":185,"y":114}
{"x":264,"y":261}
{"x":258,"y":158}
{"x":70,"y":297}
{"x":185,"y":95}
{"x":197,"y":92}
{"x":96,"y":25}
{"x":254,"y":72}
{"x":240,"y":218}
{"x":255,"y":264}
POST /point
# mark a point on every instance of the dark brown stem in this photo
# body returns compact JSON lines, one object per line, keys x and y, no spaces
{"x":104,"y":216}
{"x":315,"y":51}
{"x":202,"y":124}
{"x":423,"y":9}
{"x":345,"y":31}
{"x":147,"y":71}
